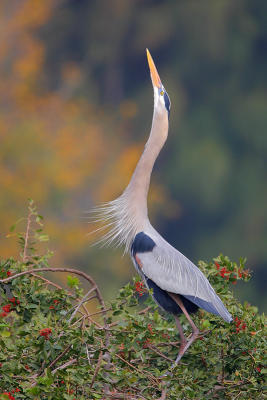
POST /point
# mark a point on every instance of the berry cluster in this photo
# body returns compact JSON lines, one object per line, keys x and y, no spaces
{"x":45,"y":332}
{"x":55,"y":303}
{"x":9,"y":307}
{"x":8,"y":273}
{"x":14,"y":301}
{"x":225,"y":273}
{"x":239,"y":325}
{"x":139,"y":287}
{"x":9,"y":394}
{"x":149,"y":327}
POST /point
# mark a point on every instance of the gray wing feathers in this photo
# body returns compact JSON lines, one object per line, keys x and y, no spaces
{"x":173,"y":272}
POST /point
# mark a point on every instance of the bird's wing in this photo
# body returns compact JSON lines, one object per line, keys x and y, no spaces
{"x":173,"y":272}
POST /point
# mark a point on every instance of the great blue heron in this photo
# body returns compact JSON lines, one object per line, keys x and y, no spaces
{"x":178,"y":285}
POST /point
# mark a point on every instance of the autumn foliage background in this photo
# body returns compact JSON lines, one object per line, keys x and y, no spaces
{"x":76,"y":106}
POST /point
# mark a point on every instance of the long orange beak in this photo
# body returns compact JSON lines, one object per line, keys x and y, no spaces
{"x":153,"y":71}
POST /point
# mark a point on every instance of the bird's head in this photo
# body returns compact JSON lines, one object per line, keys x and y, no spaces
{"x":162,"y":101}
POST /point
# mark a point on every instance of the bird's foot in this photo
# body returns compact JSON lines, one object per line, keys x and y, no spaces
{"x":203,"y":333}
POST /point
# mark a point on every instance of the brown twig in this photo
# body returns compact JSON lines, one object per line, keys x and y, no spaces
{"x":120,"y":395}
{"x":222,"y":358}
{"x":56,"y":269}
{"x":63,"y":366}
{"x":83,"y":300}
{"x":154,"y":348}
{"x":144,"y":310}
{"x":100,"y":312}
{"x":27,"y":234}
{"x":151,"y":377}
{"x":59,"y":356}
{"x":124,"y":396}
{"x":97,"y":368}
{"x":48,"y":282}
{"x":174,"y":344}
{"x":228,"y":385}
{"x":92,"y":297}
{"x":78,"y":320}
{"x":96,"y":323}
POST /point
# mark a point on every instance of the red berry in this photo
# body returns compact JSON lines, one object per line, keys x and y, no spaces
{"x":139,"y":288}
{"x":12,"y":300}
{"x":45,"y":332}
{"x":6,"y":308}
{"x":149,"y":327}
{"x":3,"y":314}
{"x":217,"y":265}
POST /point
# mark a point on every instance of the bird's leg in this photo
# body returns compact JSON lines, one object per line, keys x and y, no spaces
{"x":181,"y":333}
{"x":184,"y":344}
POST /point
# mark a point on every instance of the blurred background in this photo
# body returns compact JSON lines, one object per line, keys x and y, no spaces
{"x":75,"y":111}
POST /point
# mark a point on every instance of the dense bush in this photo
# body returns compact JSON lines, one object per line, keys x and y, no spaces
{"x":66,"y":343}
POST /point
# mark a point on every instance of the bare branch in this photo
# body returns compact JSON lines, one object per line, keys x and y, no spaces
{"x":156,"y":350}
{"x":63,"y":366}
{"x":84,"y":299}
{"x":151,"y":377}
{"x":97,"y":368}
{"x":59,"y":356}
{"x":50,"y":269}
{"x":27,"y":234}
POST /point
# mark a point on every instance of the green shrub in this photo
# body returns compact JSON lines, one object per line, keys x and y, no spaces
{"x":66,"y":343}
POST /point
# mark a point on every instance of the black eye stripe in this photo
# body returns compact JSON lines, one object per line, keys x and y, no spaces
{"x":167,"y":102}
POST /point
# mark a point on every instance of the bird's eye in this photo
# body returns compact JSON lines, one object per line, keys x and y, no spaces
{"x":162,"y":93}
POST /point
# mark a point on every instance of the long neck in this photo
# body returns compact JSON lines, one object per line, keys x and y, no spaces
{"x":125,"y":216}
{"x":137,"y":190}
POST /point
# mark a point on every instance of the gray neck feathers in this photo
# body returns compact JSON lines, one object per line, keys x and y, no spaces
{"x":127,"y":215}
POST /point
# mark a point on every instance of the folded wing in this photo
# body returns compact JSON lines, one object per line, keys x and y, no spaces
{"x":173,"y":272}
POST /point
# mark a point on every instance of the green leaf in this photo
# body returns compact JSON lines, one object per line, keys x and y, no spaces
{"x":43,"y":238}
{"x":12,"y":228}
{"x":72,"y":281}
{"x":5,"y":333}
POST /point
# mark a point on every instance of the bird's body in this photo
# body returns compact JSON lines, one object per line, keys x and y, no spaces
{"x":171,"y":271}
{"x":178,"y":285}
